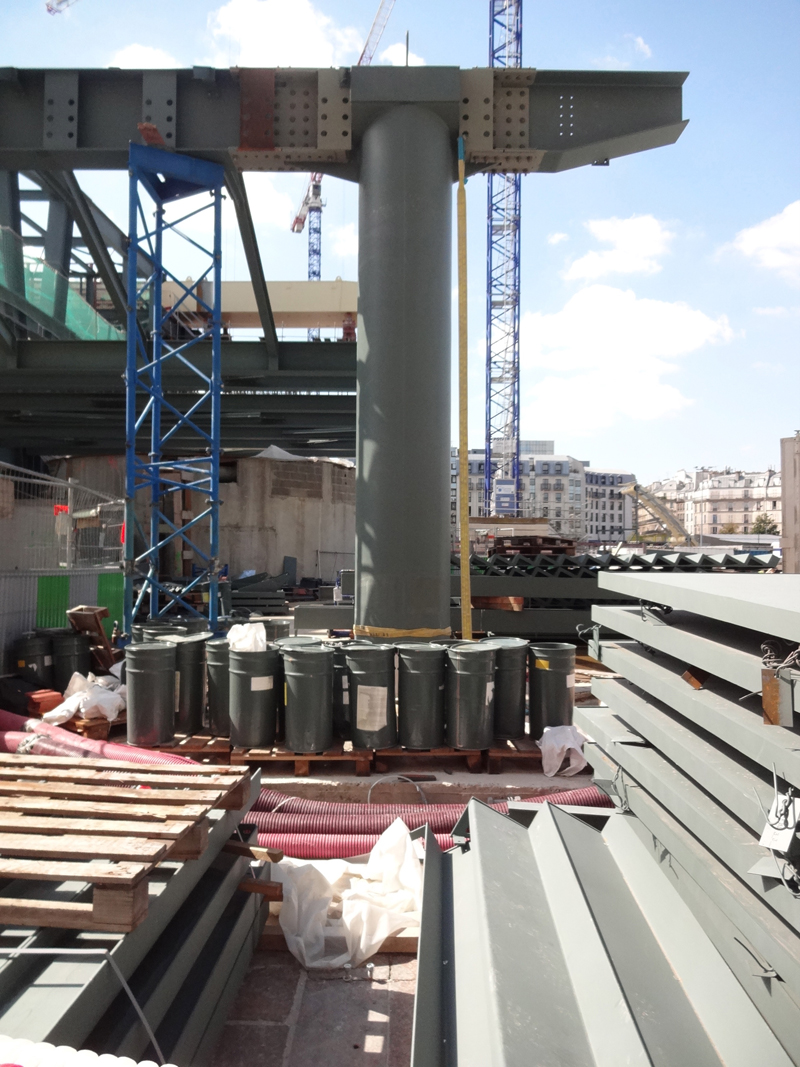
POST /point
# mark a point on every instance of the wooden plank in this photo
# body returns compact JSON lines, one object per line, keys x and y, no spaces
{"x":96,"y":872}
{"x":89,"y":793}
{"x":12,"y":759}
{"x":268,"y":890}
{"x":93,"y":777}
{"x":17,"y":823}
{"x":119,"y":907}
{"x":75,"y":847}
{"x":255,"y":852}
{"x":129,"y":812}
{"x":192,"y":845}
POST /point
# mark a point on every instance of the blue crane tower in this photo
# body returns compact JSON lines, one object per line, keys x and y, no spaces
{"x":502,"y":290}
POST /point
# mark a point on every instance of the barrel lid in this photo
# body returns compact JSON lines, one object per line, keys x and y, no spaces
{"x":505,"y":642}
{"x":420,"y":646}
{"x":307,"y":650}
{"x":553,"y":646}
{"x":470,"y":648}
{"x":299,"y":641}
{"x":149,"y":646}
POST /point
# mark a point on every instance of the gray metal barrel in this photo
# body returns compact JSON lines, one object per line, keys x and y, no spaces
{"x":373,"y":716}
{"x":308,"y":670}
{"x":137,"y":633}
{"x":552,"y":674}
{"x":299,"y":641}
{"x":277,"y":628}
{"x":33,"y":660}
{"x":510,"y":673}
{"x":190,"y":683}
{"x":150,"y":674}
{"x":420,"y":704}
{"x":71,"y":652}
{"x":253,"y":695}
{"x":342,"y":726}
{"x":153,"y":630}
{"x":219,"y":716}
{"x":470,"y":695}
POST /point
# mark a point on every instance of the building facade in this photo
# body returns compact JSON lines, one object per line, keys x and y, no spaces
{"x":554,"y":487}
{"x":710,"y":502}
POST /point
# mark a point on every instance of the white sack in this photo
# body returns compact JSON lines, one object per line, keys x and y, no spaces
{"x":93,"y":702}
{"x":248,"y":637}
{"x":558,"y":742}
{"x":359,"y":905}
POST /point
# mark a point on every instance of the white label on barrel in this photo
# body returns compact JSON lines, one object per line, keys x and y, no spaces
{"x":570,"y":681}
{"x":371,"y":707}
{"x":345,"y":682}
{"x":489,"y":692}
{"x":345,"y":698}
{"x":48,"y":661}
{"x":259,"y":683}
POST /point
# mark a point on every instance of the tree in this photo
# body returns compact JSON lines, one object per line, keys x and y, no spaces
{"x":729,"y":528}
{"x":764,"y":525}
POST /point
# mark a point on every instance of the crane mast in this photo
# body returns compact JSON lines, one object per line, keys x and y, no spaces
{"x":501,"y":458}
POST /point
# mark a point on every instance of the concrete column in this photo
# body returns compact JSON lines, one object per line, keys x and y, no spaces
{"x":403,"y":411}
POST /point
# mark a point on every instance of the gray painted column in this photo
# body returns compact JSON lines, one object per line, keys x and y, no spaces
{"x":403,"y":413}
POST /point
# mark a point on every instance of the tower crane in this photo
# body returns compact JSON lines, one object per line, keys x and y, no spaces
{"x":54,"y":7}
{"x":312,"y":203}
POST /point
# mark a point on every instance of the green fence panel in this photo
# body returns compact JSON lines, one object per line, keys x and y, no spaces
{"x":52,"y":600}
{"x":110,"y":594}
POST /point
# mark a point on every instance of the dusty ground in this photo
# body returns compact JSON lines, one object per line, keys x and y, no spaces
{"x":285,"y":1016}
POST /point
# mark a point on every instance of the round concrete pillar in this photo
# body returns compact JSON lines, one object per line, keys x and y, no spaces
{"x":403,"y":412}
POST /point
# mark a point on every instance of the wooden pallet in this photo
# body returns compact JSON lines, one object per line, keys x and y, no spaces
{"x":199,"y":747}
{"x":473,"y":757}
{"x":342,"y":750}
{"x":106,"y":823}
{"x":524,"y":748}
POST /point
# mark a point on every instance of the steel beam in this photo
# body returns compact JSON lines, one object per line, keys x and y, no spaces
{"x":725,"y":651}
{"x":767,"y":603}
{"x":58,"y":253}
{"x":247,"y":232}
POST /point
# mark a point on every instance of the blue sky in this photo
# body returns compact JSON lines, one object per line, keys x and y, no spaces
{"x":660,"y":296}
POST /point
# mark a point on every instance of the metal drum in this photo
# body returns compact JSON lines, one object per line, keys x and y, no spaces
{"x":552,"y":674}
{"x":470,"y":695}
{"x":253,"y":696}
{"x":342,"y":727}
{"x":150,"y":674}
{"x":308,"y":693}
{"x":71,"y":652}
{"x":510,"y":673}
{"x":277,"y":629}
{"x":373,"y":716}
{"x":420,"y":704}
{"x":218,"y":707}
{"x":33,"y":660}
{"x":190,"y":683}
{"x":298,"y":642}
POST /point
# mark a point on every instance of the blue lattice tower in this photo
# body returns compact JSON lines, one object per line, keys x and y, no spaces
{"x":159,"y":178}
{"x":502,"y":283}
{"x":315,"y":241}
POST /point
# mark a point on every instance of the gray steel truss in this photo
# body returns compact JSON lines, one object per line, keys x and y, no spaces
{"x":559,"y":943}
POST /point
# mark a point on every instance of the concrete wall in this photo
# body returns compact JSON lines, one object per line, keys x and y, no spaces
{"x":790,"y":504}
{"x":279,"y":508}
{"x":275,"y":508}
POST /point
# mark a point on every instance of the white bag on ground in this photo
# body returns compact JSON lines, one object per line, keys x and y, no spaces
{"x":558,"y":742}
{"x":92,"y":702}
{"x":357,"y":905}
{"x":247,"y":637}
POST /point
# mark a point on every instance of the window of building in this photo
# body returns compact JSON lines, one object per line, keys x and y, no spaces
{"x":452,"y":505}
{"x":774,"y":504}
{"x":545,"y":512}
{"x":745,"y":530}
{"x":470,"y":511}
{"x":558,"y":513}
{"x":557,"y":468}
{"x":713,"y":529}
{"x":714,"y":519}
{"x":454,"y":479}
{"x":558,"y":498}
{"x":730,"y":507}
{"x":545,"y":468}
{"x":545,"y":496}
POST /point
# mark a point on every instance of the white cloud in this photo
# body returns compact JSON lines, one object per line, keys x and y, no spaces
{"x":395,"y":54}
{"x":269,"y":206}
{"x":775,"y":242}
{"x":636,"y":242}
{"x":143,"y":57}
{"x":344,"y":240}
{"x":557,"y":238}
{"x":607,"y":353}
{"x":612,"y":63}
{"x":776,"y":312}
{"x":640,"y":45}
{"x":772,"y":368}
{"x":274,"y":33}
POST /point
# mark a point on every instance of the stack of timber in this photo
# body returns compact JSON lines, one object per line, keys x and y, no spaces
{"x":699,"y":746}
{"x":133,"y":861}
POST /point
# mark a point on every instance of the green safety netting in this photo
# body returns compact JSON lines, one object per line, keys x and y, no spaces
{"x":25,"y":278}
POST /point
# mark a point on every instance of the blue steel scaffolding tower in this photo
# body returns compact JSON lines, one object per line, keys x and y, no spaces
{"x":150,"y":410}
{"x":502,"y":285}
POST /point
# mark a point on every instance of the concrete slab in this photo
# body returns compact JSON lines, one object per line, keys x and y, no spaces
{"x":285,"y":1016}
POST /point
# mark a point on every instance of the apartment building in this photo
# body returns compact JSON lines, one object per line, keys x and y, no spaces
{"x":709,"y":502}
{"x":609,"y":514}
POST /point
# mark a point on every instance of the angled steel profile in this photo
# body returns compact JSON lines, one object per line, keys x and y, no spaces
{"x":561,"y":944}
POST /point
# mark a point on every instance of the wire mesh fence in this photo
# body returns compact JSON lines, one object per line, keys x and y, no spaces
{"x":47,"y":524}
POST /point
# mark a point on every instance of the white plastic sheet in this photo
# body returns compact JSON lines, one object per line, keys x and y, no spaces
{"x":89,"y":697}
{"x":559,"y":742}
{"x":336,"y":912}
{"x":247,"y":637}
